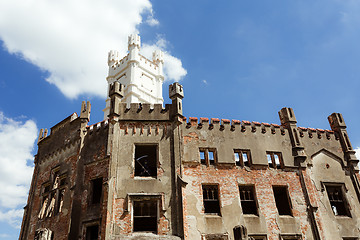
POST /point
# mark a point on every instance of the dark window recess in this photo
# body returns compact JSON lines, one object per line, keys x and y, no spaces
{"x":247,"y":198}
{"x":96,"y":190}
{"x":92,"y":232}
{"x":145,"y":216}
{"x":211,"y":199}
{"x":239,"y":232}
{"x":282,"y":200}
{"x":242,"y":157}
{"x":337,"y":201}
{"x":207,"y":156}
{"x":145,"y":160}
{"x":274,"y":159}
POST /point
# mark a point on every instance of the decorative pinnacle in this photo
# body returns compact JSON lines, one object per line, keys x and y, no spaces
{"x":158,"y":56}
{"x":134,"y":41}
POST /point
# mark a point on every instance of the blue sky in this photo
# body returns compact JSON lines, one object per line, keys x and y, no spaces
{"x":236,"y":59}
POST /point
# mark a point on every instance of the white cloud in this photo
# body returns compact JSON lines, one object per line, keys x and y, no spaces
{"x":205,"y":82}
{"x":16,"y":144}
{"x":70,"y":39}
{"x":357,"y":154}
{"x":173,"y":69}
{"x":13,"y":217}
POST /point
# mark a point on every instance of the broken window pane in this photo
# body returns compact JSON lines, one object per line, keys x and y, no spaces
{"x":248,"y":201}
{"x":202,"y":157}
{"x":211,"y":199}
{"x":242,"y":157}
{"x":92,"y":232}
{"x":145,"y":215}
{"x":146,"y":160}
{"x":337,"y":201}
{"x":96,"y":185}
{"x":237,"y":159}
{"x":211,"y":157}
{"x":245,"y":158}
{"x":274,"y":159}
{"x":282,"y":200}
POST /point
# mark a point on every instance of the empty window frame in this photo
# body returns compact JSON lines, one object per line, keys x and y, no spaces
{"x":211,"y":199}
{"x":96,"y":190}
{"x":248,"y":200}
{"x":242,"y":157}
{"x":282,"y":200}
{"x":145,"y":214}
{"x":146,"y":160}
{"x":92,"y":232}
{"x":208,"y":156}
{"x":274,"y":159}
{"x":337,"y":200}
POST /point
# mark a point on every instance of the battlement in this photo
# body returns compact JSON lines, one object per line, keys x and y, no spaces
{"x":254,"y":126}
{"x":143,"y":112}
{"x":97,"y":126}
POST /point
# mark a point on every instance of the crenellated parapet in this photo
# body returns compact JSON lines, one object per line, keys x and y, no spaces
{"x":141,"y":112}
{"x":233,"y":125}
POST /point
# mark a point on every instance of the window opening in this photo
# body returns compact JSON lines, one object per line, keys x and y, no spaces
{"x":257,"y":237}
{"x":146,"y":160}
{"x":208,"y":156}
{"x":202,"y":157}
{"x":145,"y":215}
{"x":282,"y":200}
{"x":337,"y":201}
{"x":211,"y":157}
{"x":248,"y":200}
{"x":274,"y":159}
{"x":53,"y":195}
{"x":242,"y":157}
{"x":211,"y":199}
{"x":92,"y":232}
{"x":96,"y":185}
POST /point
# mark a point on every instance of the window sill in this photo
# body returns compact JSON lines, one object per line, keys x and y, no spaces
{"x":212,"y":215}
{"x":144,"y":178}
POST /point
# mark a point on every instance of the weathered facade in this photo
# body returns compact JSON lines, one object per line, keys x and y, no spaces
{"x":147,"y":172}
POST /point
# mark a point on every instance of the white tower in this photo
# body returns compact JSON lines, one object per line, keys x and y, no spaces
{"x":141,"y":77}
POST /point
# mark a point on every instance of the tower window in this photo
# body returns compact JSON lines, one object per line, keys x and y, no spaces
{"x":208,"y":156}
{"x":337,"y":201}
{"x":211,"y":199}
{"x":146,"y":160}
{"x":92,"y":232}
{"x":145,"y":215}
{"x":282,"y":200}
{"x":274,"y":159}
{"x":248,"y":200}
{"x":242,"y":157}
{"x":96,"y":190}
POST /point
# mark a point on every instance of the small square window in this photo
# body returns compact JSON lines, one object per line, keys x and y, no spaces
{"x":242,"y":157}
{"x":211,"y":199}
{"x":248,"y":200}
{"x":338,"y":203}
{"x":145,"y":215}
{"x":282,"y":200}
{"x":274,"y":159}
{"x":146,"y":160}
{"x":208,"y":156}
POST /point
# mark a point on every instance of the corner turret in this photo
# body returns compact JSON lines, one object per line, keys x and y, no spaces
{"x":176,"y":94}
